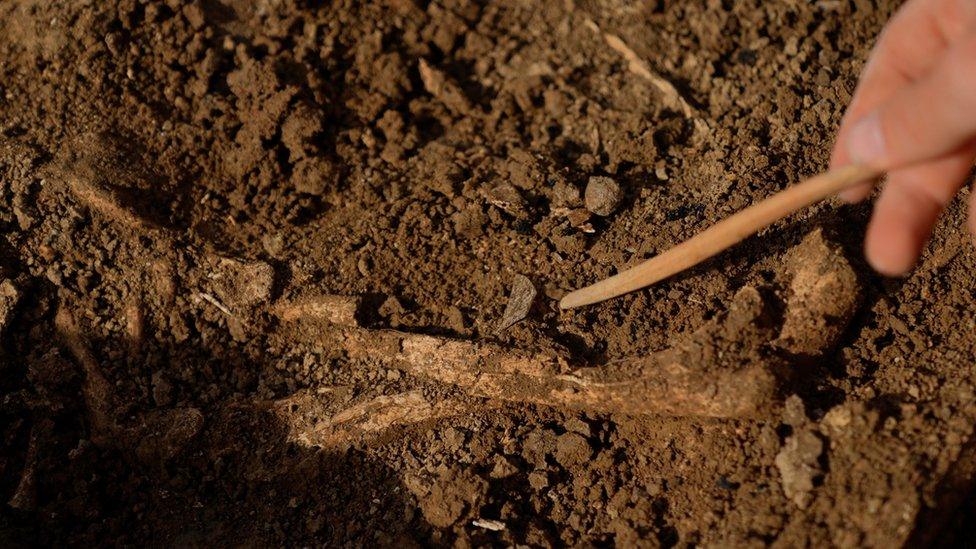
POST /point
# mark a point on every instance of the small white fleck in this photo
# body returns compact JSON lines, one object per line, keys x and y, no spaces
{"x":489,"y":524}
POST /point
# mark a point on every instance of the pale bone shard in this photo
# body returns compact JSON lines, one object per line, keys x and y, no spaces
{"x":672,"y":98}
{"x":105,"y":201}
{"x":670,"y":95}
{"x":135,"y":324}
{"x":489,"y":524}
{"x":707,"y":376}
{"x":824,"y":294}
{"x":216,"y":303}
{"x":520,"y":299}
{"x":96,"y":390}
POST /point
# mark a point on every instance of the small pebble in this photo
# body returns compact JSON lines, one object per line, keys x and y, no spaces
{"x":603,"y":195}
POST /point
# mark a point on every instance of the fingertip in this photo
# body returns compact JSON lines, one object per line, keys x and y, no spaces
{"x":898,"y":229}
{"x":891,"y":248}
{"x":888,"y":254}
{"x":908,"y":208}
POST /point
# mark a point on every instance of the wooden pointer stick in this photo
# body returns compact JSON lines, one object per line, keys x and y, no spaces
{"x":722,"y":235}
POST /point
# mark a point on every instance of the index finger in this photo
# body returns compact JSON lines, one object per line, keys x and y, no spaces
{"x":907,"y":49}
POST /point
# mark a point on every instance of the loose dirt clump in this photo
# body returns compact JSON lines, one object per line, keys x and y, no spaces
{"x":288,"y":272}
{"x":799,"y":459}
{"x":824,"y":294}
{"x":9,"y":298}
{"x":798,"y":463}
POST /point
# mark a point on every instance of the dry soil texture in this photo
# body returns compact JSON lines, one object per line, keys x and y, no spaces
{"x":286,"y":272}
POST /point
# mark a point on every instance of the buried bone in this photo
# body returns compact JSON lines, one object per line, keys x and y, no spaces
{"x":727,"y":368}
{"x":335,"y":309}
{"x":156,"y":436}
{"x":98,"y":170}
{"x":25,"y":496}
{"x":311,"y":422}
{"x":135,"y":325}
{"x":97,"y":390}
{"x":442,"y":87}
{"x":720,"y":371}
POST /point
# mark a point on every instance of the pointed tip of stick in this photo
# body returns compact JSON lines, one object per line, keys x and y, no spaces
{"x":574,"y":299}
{"x":720,"y":236}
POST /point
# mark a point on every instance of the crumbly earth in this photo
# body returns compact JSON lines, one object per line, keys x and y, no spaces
{"x":183,"y":179}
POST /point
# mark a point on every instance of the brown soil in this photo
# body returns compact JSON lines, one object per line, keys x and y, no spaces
{"x":286,"y":272}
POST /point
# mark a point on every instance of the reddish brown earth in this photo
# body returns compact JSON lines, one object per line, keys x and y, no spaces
{"x":286,"y":272}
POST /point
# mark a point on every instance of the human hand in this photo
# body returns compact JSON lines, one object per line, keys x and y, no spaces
{"x":914,"y":116}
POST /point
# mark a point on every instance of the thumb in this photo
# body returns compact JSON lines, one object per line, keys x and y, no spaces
{"x":934,"y":116}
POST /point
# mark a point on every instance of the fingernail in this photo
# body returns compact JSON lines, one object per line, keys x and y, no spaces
{"x":866,"y":143}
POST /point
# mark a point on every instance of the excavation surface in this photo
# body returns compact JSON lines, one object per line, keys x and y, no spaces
{"x":287,"y":272}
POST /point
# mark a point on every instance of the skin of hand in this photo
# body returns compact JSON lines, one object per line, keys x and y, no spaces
{"x":913,"y":115}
